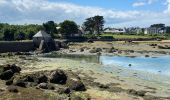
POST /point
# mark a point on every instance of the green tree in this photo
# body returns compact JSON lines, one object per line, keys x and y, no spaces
{"x":8,"y":35}
{"x":68,"y":28}
{"x":50,"y":28}
{"x":94,"y":24}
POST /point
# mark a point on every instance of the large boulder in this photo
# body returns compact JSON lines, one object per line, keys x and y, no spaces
{"x":42,"y":79}
{"x":7,"y":71}
{"x":58,"y":77}
{"x":13,"y":67}
{"x":6,"y":75}
{"x":74,"y":82}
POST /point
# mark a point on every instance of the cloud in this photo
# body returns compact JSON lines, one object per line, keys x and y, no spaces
{"x":143,"y":3}
{"x":137,"y":4}
{"x":39,"y":11}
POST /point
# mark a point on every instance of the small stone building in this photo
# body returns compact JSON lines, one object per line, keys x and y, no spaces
{"x":43,"y":41}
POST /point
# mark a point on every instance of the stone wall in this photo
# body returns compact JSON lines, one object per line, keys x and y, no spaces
{"x":16,"y":46}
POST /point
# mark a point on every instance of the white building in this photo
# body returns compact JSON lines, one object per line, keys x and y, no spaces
{"x":114,"y":30}
{"x":154,"y":30}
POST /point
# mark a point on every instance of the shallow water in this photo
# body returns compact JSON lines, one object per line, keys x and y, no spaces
{"x":158,"y":65}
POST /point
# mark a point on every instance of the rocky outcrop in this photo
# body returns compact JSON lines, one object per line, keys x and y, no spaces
{"x":8,"y":71}
{"x":58,"y":77}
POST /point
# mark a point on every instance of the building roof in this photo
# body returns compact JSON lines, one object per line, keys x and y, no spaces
{"x":42,"y":34}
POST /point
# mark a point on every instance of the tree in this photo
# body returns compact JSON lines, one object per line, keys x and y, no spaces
{"x":20,"y":36}
{"x":68,"y":28}
{"x":158,"y":25}
{"x":30,"y":35}
{"x":94,"y":24}
{"x":50,"y":28}
{"x":8,"y":35}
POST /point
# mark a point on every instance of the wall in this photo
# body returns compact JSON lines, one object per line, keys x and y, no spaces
{"x":16,"y":46}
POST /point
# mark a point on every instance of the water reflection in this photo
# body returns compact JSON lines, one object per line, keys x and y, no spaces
{"x":83,"y":58}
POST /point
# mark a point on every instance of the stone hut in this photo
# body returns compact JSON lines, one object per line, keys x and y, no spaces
{"x":43,"y":41}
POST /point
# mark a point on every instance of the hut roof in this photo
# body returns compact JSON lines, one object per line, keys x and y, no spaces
{"x":42,"y":34}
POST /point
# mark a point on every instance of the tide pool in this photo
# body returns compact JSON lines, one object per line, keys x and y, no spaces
{"x":158,"y":65}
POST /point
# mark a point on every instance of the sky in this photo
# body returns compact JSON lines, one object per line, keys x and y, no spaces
{"x":117,"y":13}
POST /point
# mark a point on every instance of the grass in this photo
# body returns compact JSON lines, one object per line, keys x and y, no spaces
{"x":128,"y":36}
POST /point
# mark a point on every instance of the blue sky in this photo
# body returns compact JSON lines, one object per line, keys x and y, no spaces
{"x":117,"y":13}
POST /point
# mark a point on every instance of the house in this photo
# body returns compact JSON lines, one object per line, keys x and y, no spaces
{"x":42,"y":40}
{"x":114,"y":30}
{"x":155,"y":30}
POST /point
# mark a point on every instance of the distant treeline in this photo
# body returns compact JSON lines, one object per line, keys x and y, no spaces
{"x":62,"y":30}
{"x":18,"y":32}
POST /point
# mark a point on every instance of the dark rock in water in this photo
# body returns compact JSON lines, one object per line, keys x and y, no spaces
{"x":42,"y":79}
{"x":58,"y":77}
{"x":6,"y":75}
{"x":130,"y":65}
{"x":46,"y":86}
{"x":147,"y":56}
{"x":13,"y":89}
{"x":75,"y":84}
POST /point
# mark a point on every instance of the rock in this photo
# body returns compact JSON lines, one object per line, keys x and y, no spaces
{"x":43,"y":85}
{"x":95,"y":50}
{"x":103,"y":86}
{"x":147,"y":56}
{"x":90,"y":41}
{"x":13,"y":89}
{"x":130,"y":65}
{"x":46,"y":86}
{"x":13,"y":67}
{"x":75,"y":84}
{"x":42,"y":79}
{"x":164,"y":47}
{"x":64,"y":90}
{"x":81,"y":49}
{"x":9,"y":82}
{"x":29,"y":78}
{"x":20,"y":81}
{"x":6,"y":75}
{"x":138,"y":93}
{"x":58,"y":77}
